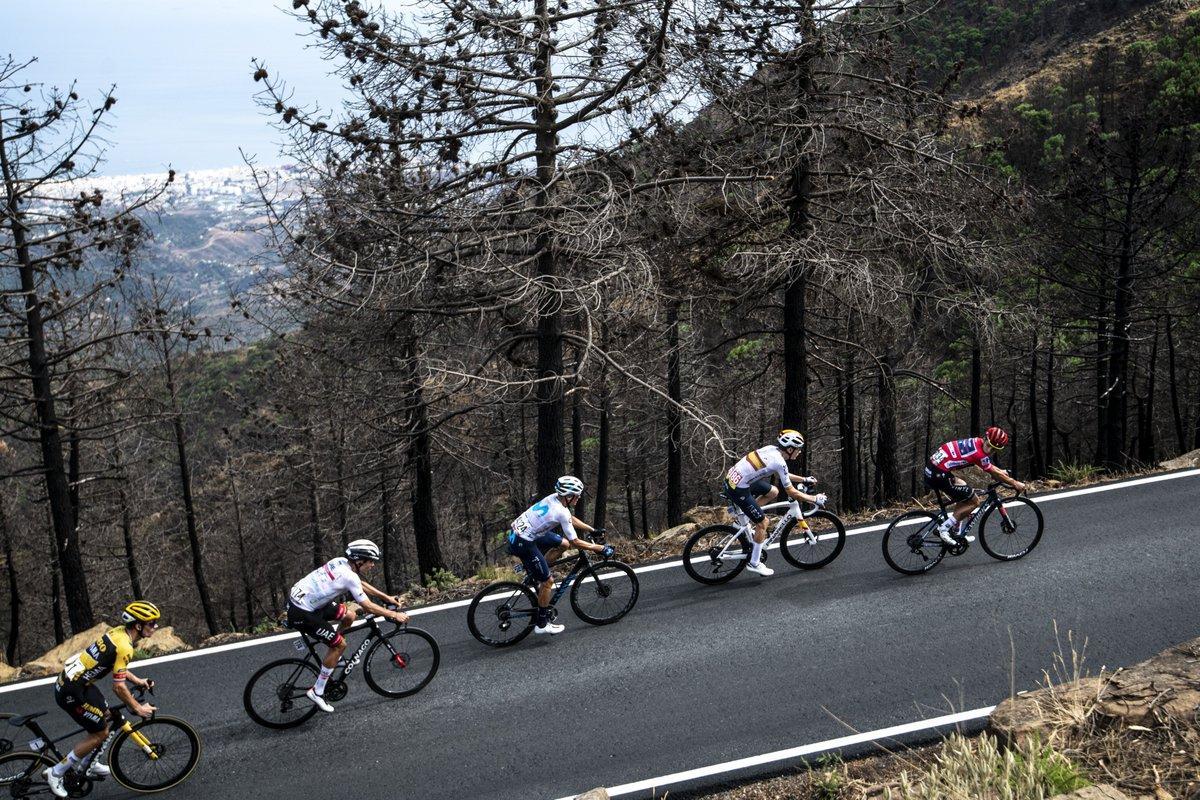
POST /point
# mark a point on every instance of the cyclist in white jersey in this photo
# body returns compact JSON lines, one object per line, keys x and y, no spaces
{"x":314,"y":606}
{"x":745,"y":479}
{"x":536,"y":531}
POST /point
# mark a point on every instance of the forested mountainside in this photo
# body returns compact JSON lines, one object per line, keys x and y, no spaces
{"x":832,"y":246}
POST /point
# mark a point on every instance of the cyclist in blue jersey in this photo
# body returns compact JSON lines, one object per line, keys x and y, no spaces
{"x":535,"y":533}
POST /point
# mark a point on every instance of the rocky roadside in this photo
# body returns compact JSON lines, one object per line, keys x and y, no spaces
{"x":1132,"y":734}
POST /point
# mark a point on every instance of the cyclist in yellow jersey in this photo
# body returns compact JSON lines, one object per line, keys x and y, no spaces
{"x":76,"y":693}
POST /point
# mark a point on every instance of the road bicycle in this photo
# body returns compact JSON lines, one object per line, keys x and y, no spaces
{"x":149,"y":755}
{"x":602,"y":592}
{"x":809,"y":538}
{"x":396,"y":664}
{"x":911,"y":544}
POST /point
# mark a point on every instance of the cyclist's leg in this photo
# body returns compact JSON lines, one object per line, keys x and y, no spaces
{"x":743,"y":499}
{"x":326,"y":625}
{"x":764,"y":491}
{"x":88,"y":708}
{"x":538,"y":569}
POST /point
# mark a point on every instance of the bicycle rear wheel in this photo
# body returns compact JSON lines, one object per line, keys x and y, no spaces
{"x":911,"y":544}
{"x":816,"y":547}
{"x":1018,"y":531}
{"x":156,"y":754}
{"x":21,"y":775}
{"x":403,"y":662}
{"x":710,"y":557}
{"x":502,"y":614}
{"x":604,"y":592}
{"x":274,"y":696}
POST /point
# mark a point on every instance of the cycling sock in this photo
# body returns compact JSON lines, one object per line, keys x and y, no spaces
{"x":756,"y":551}
{"x":319,"y":686}
{"x":543,"y":617}
{"x":70,"y":762}
{"x":948,"y":523}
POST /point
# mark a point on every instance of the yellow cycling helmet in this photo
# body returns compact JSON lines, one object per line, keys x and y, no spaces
{"x":140,"y":611}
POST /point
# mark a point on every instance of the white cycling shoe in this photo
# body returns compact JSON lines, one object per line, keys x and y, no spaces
{"x":55,"y":782}
{"x":319,"y":701}
{"x":97,"y":770}
{"x":760,"y":569}
{"x":550,"y":628}
{"x":947,"y":537}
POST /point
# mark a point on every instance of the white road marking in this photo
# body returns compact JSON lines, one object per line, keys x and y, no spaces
{"x":279,"y":637}
{"x":664,"y":781}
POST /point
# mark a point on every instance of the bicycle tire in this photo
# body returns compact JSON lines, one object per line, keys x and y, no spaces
{"x":506,"y":620}
{"x":702,"y":545}
{"x":284,"y":691}
{"x":127,"y":754}
{"x":983,"y":529}
{"x":903,"y":544}
{"x":6,"y":744}
{"x":414,"y":659}
{"x":592,"y":582}
{"x":24,"y":781}
{"x":839,"y":541}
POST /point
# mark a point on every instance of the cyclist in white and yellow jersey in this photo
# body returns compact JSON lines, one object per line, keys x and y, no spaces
{"x":746,"y":479}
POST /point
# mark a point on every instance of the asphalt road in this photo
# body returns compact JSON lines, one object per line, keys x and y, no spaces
{"x":698,"y":675}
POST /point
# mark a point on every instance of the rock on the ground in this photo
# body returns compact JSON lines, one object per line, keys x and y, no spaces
{"x":594,"y":794}
{"x":52,"y":662}
{"x":1184,"y":461}
{"x":224,"y":638}
{"x":163,"y":642}
{"x":680,"y":531}
{"x":1101,"y":791}
{"x":8,"y":673}
{"x":1167,"y":685}
{"x":707,"y":515}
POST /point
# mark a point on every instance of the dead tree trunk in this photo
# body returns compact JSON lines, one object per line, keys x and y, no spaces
{"x":14,"y":591}
{"x":674,"y":420}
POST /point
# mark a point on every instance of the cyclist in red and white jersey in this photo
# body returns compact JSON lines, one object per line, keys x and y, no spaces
{"x":749,"y":477}
{"x":959,"y":453}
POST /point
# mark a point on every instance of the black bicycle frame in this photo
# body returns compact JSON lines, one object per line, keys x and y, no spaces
{"x":351,"y":663}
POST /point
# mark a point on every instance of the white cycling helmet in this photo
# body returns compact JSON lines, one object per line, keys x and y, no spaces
{"x":790,"y":438}
{"x":568,"y":485}
{"x":363,"y":550}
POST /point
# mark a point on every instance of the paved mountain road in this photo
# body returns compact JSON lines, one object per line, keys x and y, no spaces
{"x":698,"y":675}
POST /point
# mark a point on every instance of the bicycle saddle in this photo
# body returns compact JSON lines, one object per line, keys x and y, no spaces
{"x":19,"y":722}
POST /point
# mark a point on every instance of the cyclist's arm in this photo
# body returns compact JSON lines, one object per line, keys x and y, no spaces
{"x":1003,"y":476}
{"x":801,"y":478}
{"x":576,"y":522}
{"x":141,"y":683}
{"x":121,"y":690}
{"x":373,"y":592}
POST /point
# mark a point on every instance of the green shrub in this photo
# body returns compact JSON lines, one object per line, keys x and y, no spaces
{"x":1073,"y":472}
{"x":441,"y":579}
{"x":496,"y":572}
{"x":967,"y":769}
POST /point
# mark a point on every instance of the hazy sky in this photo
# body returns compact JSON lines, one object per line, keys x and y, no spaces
{"x":182,"y":70}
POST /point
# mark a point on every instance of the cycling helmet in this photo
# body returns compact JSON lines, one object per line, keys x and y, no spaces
{"x":568,"y":485}
{"x":997,"y":437}
{"x":790,"y":438}
{"x":363,"y":550}
{"x":140,"y":611}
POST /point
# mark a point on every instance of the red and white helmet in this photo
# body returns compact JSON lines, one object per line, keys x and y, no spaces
{"x":997,"y":437}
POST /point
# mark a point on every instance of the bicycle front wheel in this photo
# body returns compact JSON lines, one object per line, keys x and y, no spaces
{"x":6,"y":744}
{"x":502,"y":614}
{"x":274,"y":696}
{"x":604,"y":592}
{"x":1018,"y":531}
{"x":712,"y":555}
{"x":815,"y":547}
{"x":155,"y":754}
{"x":21,"y":775}
{"x":911,"y":544}
{"x":403,"y":662}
